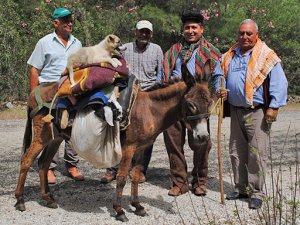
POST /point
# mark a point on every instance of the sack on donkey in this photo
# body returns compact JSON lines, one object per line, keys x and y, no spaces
{"x":95,"y":140}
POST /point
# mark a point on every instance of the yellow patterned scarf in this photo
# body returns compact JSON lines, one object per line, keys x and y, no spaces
{"x":262,"y":60}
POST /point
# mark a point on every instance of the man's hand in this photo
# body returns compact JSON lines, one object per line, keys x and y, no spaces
{"x":271,"y":115}
{"x":222,"y":93}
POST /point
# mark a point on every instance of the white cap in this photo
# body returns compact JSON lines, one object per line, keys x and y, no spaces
{"x":144,"y":24}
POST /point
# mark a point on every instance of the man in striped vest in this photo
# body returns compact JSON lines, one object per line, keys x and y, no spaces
{"x":195,"y":51}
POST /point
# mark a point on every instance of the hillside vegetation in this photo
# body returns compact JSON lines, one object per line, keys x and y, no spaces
{"x":22,"y":23}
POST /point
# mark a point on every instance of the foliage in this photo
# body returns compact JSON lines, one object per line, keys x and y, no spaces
{"x":23,"y":24}
{"x":166,"y":26}
{"x":12,"y":53}
{"x":277,"y":24}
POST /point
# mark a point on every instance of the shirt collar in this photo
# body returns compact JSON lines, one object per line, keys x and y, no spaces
{"x":237,"y":51}
{"x":70,"y":40}
{"x":137,"y":49}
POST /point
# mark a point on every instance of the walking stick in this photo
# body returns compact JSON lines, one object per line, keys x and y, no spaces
{"x":220,"y":118}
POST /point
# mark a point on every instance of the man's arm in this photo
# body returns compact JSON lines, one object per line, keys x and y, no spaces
{"x":159,"y":68}
{"x":33,"y":78}
{"x":278,"y":87}
{"x":160,"y":58}
{"x":278,"y":92}
{"x":217,"y":75}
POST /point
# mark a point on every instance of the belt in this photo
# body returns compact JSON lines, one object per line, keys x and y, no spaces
{"x":251,"y":108}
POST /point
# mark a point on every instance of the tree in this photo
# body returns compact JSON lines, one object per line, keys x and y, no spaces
{"x":23,"y":24}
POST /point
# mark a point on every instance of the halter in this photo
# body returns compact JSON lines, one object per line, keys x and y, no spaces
{"x":198,"y":116}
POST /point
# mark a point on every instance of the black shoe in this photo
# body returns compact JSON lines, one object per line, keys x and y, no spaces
{"x":235,"y":195}
{"x":255,"y":203}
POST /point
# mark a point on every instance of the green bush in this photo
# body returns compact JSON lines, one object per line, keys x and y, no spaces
{"x":23,"y":24}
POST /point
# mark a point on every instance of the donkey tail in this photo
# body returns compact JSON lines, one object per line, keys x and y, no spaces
{"x":28,"y":132}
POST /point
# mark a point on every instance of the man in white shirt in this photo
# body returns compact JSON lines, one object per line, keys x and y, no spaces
{"x":48,"y":61}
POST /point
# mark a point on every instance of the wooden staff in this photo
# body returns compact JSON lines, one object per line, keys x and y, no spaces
{"x":220,"y":118}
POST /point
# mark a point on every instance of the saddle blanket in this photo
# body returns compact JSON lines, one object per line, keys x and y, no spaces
{"x":94,"y":76}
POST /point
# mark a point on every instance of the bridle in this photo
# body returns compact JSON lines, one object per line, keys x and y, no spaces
{"x":198,"y":116}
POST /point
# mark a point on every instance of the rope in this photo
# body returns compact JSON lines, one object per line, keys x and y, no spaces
{"x":218,"y":105}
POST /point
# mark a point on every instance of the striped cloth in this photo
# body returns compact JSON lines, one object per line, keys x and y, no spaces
{"x":205,"y":51}
{"x":262,"y":61}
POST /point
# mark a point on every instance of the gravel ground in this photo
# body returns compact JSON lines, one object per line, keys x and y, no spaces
{"x":90,"y":202}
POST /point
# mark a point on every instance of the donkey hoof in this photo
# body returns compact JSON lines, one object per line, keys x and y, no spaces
{"x":20,"y":206}
{"x":140,"y":212}
{"x":52,"y":205}
{"x":122,"y":218}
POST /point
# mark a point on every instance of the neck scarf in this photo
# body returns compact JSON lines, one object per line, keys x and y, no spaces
{"x":205,"y":51}
{"x":262,"y":61}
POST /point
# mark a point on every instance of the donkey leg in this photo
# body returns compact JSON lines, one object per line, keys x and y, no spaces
{"x":26,"y":162}
{"x":121,"y":181}
{"x":135,"y":202}
{"x":44,"y":163}
{"x":36,"y":146}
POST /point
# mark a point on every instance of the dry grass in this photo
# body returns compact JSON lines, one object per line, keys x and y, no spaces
{"x":18,"y":112}
{"x":295,"y":105}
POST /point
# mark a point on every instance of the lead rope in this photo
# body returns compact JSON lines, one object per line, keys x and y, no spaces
{"x":48,"y":118}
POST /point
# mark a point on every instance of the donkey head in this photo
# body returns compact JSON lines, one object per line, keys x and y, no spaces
{"x":197,"y":111}
{"x":197,"y":102}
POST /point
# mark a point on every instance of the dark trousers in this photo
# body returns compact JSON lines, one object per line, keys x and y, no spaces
{"x":146,"y":160}
{"x":174,"y":138}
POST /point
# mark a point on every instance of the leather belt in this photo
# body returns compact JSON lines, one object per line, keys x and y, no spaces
{"x":251,"y":108}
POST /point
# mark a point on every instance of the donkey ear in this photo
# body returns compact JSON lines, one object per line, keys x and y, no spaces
{"x":207,"y":71}
{"x":186,"y":76}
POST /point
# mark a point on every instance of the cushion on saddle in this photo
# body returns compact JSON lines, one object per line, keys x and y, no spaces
{"x":93,"y":76}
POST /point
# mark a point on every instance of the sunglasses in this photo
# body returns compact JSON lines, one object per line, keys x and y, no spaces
{"x":248,"y":33}
{"x":145,"y":31}
{"x":66,"y":20}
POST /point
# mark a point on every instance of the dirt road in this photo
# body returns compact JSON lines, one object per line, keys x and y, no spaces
{"x":90,"y":202}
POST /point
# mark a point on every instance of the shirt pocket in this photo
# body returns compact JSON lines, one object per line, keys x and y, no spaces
{"x":150,"y":67}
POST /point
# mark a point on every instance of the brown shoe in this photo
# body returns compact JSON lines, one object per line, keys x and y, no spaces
{"x":51,"y":177}
{"x":199,"y":190}
{"x":108,"y":177}
{"x":176,"y":191}
{"x":75,"y":174}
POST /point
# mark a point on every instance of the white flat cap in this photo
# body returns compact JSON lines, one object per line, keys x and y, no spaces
{"x":144,"y":24}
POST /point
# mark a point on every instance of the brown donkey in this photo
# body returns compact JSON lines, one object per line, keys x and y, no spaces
{"x":152,"y":112}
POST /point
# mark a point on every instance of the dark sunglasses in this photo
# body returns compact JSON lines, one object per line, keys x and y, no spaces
{"x":145,"y":31}
{"x":66,"y":20}
{"x":242,"y":33}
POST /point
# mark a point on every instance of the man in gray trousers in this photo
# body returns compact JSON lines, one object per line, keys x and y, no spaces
{"x":144,"y":60}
